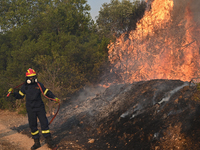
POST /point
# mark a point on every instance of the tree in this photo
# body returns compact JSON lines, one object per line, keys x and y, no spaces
{"x":118,"y":17}
{"x":56,"y":38}
{"x":15,"y":13}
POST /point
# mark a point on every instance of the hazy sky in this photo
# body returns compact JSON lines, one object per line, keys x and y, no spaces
{"x":95,"y":6}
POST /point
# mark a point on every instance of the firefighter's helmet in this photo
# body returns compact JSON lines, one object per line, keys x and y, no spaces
{"x":31,"y":76}
{"x":30,"y":73}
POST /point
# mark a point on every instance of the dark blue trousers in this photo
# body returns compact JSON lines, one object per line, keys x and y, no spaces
{"x":39,"y":113}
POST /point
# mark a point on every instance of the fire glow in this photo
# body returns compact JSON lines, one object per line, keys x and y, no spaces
{"x":161,"y":47}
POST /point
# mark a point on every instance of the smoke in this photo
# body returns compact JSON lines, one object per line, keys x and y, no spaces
{"x":88,"y":93}
{"x":168,"y":95}
{"x":195,"y":10}
{"x":193,"y":5}
{"x":142,"y":105}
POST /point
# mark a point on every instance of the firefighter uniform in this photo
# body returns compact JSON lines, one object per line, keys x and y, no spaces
{"x":35,"y":107}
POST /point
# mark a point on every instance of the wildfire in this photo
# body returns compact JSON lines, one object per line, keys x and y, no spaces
{"x":160,"y":47}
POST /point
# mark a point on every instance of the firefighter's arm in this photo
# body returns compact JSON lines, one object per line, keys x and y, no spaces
{"x":17,"y":95}
{"x":21,"y":93}
{"x":51,"y":95}
{"x":48,"y":93}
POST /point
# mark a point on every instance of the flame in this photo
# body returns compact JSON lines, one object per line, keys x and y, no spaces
{"x":159,"y":48}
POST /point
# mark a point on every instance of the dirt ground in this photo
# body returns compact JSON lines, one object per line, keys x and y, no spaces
{"x":11,"y":139}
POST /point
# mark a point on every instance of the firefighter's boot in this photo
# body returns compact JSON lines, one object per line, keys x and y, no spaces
{"x":49,"y":142}
{"x":36,"y":144}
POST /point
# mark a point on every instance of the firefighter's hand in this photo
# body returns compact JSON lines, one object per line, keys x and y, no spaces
{"x":57,"y":100}
{"x":10,"y":90}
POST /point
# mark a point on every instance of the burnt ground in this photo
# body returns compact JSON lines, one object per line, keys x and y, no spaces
{"x":147,"y":115}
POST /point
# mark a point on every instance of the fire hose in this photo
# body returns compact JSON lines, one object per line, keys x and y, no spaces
{"x":44,"y":96}
{"x":14,"y":88}
{"x":52,"y":100}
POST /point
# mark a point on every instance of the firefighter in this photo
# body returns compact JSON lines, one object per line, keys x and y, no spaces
{"x":35,"y":107}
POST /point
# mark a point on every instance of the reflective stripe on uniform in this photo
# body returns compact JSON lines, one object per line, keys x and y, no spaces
{"x":45,"y":92}
{"x":22,"y":94}
{"x":45,"y":131}
{"x":34,"y":133}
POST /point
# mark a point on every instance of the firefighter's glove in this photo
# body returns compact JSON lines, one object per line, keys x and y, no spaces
{"x":57,"y":100}
{"x":10,"y":90}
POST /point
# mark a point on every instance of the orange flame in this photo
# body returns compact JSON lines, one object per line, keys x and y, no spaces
{"x":159,"y":48}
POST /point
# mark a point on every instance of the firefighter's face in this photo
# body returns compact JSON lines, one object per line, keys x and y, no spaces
{"x":32,"y":79}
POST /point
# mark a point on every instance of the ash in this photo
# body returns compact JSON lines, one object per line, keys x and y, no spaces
{"x":131,"y":116}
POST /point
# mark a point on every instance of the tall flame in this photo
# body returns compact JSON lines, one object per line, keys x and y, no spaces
{"x":159,"y":48}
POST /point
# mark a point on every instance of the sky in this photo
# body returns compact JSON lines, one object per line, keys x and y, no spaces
{"x":95,"y":7}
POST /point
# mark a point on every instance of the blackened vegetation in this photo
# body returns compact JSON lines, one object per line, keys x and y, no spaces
{"x":132,"y":117}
